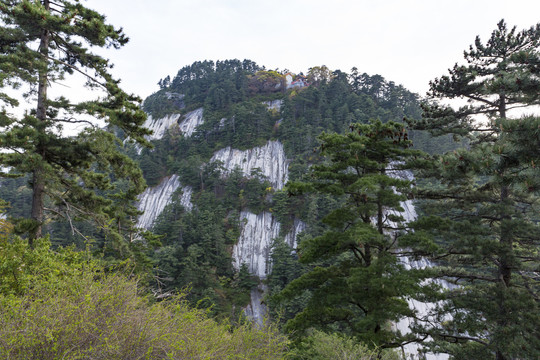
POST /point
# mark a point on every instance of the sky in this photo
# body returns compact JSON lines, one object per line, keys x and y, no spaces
{"x":409,"y":42}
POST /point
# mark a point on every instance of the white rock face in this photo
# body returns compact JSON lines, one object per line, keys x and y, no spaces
{"x":191,"y":121}
{"x":253,"y":247}
{"x":409,"y":214}
{"x":187,"y":125}
{"x":274,"y":105}
{"x":423,"y":309}
{"x":298,"y":227}
{"x":173,"y":95}
{"x":270,"y":159}
{"x":160,"y":126}
{"x":153,"y":200}
{"x":185,"y":199}
{"x":256,"y":311}
{"x":409,"y":211}
{"x":258,"y":231}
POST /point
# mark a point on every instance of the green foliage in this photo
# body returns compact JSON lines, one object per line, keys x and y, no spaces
{"x":63,"y":305}
{"x":24,"y":270}
{"x":83,"y":176}
{"x":163,"y":103}
{"x":483,"y":200}
{"x":197,"y":254}
{"x":322,"y":346}
{"x":216,"y":85}
{"x":18,"y":196}
{"x":357,"y":283}
{"x":285,"y":268}
{"x":232,"y":94}
{"x":264,"y":81}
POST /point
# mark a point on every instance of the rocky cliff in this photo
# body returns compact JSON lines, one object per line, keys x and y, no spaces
{"x":257,"y":230}
{"x":270,"y":159}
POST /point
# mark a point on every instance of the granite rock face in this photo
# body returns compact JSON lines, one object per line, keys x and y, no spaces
{"x":257,"y":230}
{"x":274,"y":105}
{"x":189,"y":123}
{"x":186,"y":124}
{"x":412,"y":350}
{"x":253,"y":247}
{"x":270,"y":159}
{"x":160,"y":126}
{"x":154,"y":199}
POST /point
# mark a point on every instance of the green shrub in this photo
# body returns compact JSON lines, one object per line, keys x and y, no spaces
{"x":87,"y":314}
{"x":322,"y":346}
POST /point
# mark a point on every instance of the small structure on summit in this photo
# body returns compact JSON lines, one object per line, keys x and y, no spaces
{"x":295,"y":81}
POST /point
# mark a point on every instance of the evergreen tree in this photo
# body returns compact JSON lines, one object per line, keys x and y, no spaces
{"x":484,"y":208}
{"x":358,"y":283}
{"x":41,"y":43}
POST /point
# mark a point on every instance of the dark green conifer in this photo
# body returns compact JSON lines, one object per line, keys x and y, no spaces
{"x":42,"y":42}
{"x":358,"y":282}
{"x":484,"y":200}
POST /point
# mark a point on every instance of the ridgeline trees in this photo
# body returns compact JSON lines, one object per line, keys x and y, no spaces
{"x":358,"y":284}
{"x":484,"y":200}
{"x":74,"y":177}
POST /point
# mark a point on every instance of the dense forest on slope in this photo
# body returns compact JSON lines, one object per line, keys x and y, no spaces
{"x":245,"y":106}
{"x":272,"y":197}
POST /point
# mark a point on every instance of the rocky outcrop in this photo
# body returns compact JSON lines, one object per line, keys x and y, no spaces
{"x":186,"y":124}
{"x":160,"y":126}
{"x":270,"y":159}
{"x":256,"y":311}
{"x":290,"y":238}
{"x":154,"y":199}
{"x":422,"y":309}
{"x":185,"y":198}
{"x":274,"y":105}
{"x":254,"y":250}
{"x":253,"y":246}
{"x":190,"y":122}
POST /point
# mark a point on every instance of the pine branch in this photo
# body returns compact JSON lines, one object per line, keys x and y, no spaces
{"x":76,"y":69}
{"x":75,"y":121}
{"x":460,"y":337}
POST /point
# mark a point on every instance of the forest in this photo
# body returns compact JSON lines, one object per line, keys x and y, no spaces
{"x":286,"y":216}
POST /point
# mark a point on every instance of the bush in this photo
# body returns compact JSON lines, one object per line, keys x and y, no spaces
{"x":322,"y":346}
{"x":91,"y":315}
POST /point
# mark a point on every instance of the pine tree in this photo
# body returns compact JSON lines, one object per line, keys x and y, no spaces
{"x":357,"y":281}
{"x":485,"y":198}
{"x":75,"y":177}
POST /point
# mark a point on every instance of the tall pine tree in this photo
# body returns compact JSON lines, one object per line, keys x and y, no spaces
{"x":81,"y":176}
{"x":484,"y":200}
{"x":357,"y":281}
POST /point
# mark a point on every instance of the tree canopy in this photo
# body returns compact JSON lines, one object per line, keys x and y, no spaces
{"x":78,"y":176}
{"x":358,"y":282}
{"x":483,"y":200}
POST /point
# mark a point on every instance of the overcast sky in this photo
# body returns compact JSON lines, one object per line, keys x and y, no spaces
{"x":409,"y":41}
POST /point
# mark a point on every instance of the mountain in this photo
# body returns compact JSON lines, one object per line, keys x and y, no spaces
{"x":227,"y":137}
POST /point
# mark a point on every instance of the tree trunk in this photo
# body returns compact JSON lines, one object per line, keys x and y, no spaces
{"x":506,"y":238}
{"x":38,"y":180}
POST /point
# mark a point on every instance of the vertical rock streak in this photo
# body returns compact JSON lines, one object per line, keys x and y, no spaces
{"x":253,"y":247}
{"x":423,"y":309}
{"x":270,"y":159}
{"x":258,"y":230}
{"x":160,"y":126}
{"x":290,"y":238}
{"x":187,"y":126}
{"x":191,"y":121}
{"x":153,"y":200}
{"x":274,"y":105}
